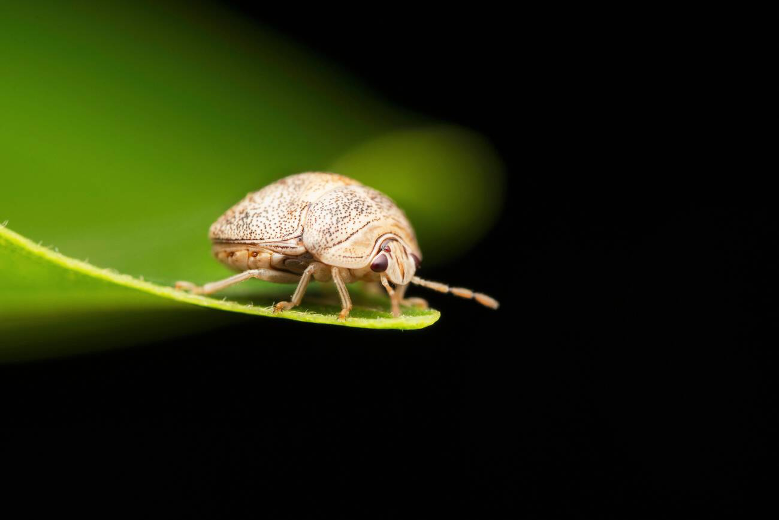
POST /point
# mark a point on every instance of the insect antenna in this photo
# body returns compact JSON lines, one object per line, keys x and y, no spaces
{"x":468,"y":294}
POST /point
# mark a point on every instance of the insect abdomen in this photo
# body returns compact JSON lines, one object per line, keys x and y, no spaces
{"x":241,"y":258}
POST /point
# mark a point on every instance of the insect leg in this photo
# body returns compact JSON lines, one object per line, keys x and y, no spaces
{"x":420,"y":303}
{"x":300,"y":291}
{"x":343,"y":292}
{"x":372,"y":288}
{"x":263,"y":274}
{"x":394,"y":296}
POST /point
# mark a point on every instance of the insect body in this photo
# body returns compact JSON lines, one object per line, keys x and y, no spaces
{"x":322,"y":226}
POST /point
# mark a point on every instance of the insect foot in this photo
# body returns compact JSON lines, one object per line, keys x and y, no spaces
{"x":344,"y":314}
{"x":188,"y":286}
{"x":282,"y":306}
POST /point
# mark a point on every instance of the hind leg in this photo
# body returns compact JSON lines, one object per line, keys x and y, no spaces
{"x":269,"y":275}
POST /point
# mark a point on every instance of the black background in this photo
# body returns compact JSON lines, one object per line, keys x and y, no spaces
{"x":629,"y":372}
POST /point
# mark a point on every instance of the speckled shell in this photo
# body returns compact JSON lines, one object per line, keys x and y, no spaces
{"x":335,"y":218}
{"x":275,"y":215}
{"x":344,"y":226}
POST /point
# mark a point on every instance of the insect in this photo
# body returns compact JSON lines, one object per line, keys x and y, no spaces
{"x":322,"y":226}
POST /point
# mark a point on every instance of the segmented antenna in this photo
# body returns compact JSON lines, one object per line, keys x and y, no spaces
{"x":468,"y":294}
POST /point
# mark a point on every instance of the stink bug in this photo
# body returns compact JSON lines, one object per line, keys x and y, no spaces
{"x":325,"y":226}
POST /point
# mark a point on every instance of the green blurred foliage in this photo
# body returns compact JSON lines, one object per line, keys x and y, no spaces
{"x":446,"y":179}
{"x":126,"y":128}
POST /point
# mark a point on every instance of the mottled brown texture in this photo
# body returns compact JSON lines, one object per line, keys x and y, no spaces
{"x":336,"y":219}
{"x":277,"y":212}
{"x":344,"y":226}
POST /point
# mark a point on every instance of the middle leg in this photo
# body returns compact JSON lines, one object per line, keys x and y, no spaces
{"x":305,"y":278}
{"x":343,"y":292}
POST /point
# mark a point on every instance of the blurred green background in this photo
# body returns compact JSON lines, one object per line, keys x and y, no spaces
{"x":127,"y":128}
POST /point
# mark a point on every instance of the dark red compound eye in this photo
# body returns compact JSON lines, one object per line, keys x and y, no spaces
{"x":379,"y":264}
{"x":386,"y":249}
{"x":417,"y":261}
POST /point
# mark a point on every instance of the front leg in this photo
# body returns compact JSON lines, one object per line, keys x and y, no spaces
{"x":419,"y":303}
{"x":394,"y":296}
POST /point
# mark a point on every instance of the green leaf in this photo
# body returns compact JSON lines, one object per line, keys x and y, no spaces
{"x":43,"y":289}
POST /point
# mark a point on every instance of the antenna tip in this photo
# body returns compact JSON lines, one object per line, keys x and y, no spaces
{"x":487,"y":301}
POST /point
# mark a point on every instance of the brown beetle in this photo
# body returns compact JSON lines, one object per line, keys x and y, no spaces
{"x":325,"y":226}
